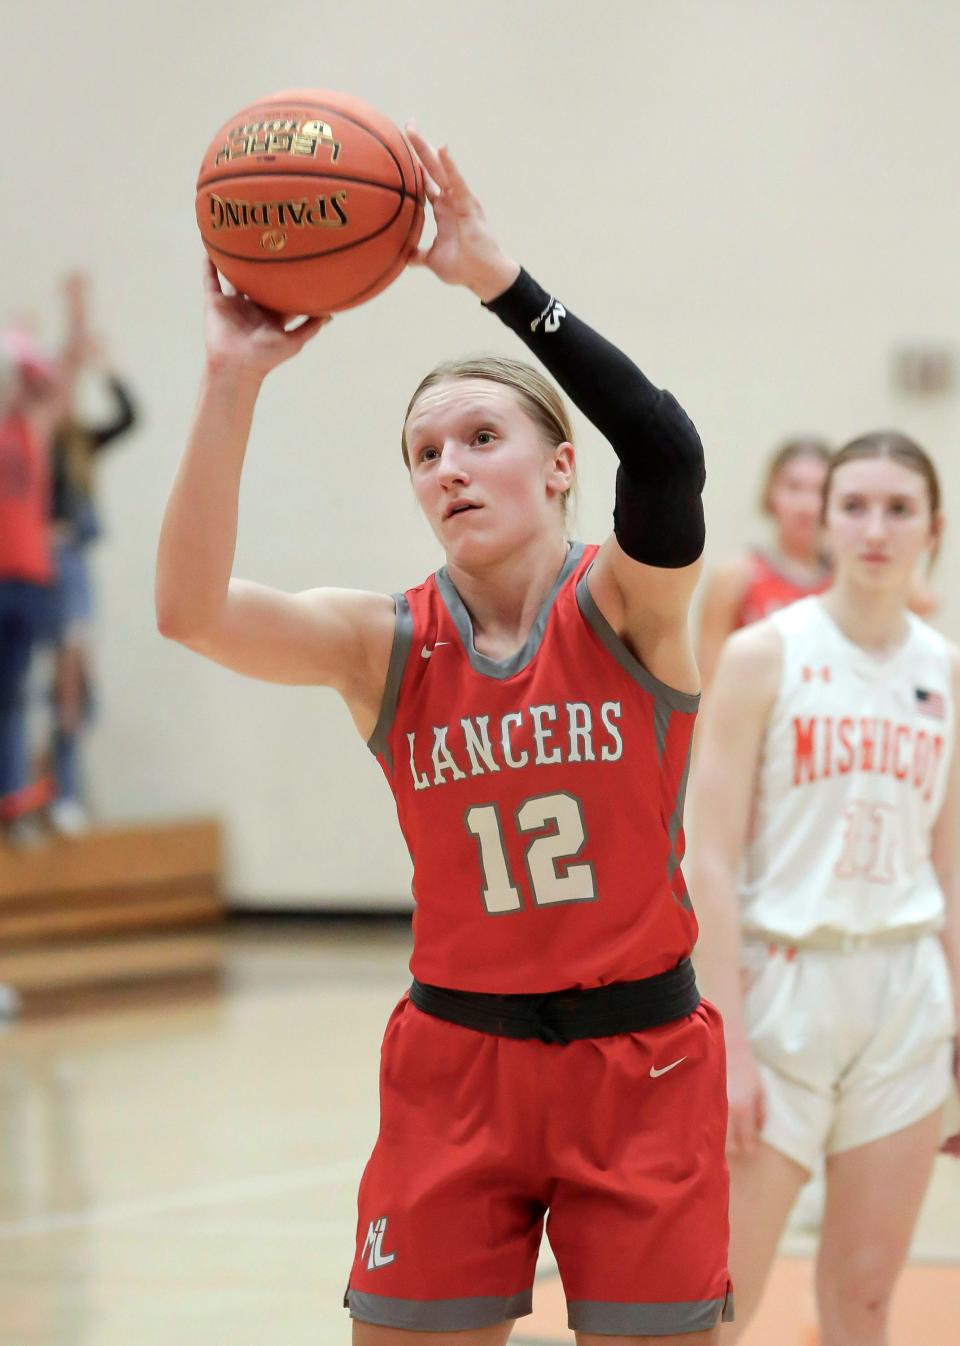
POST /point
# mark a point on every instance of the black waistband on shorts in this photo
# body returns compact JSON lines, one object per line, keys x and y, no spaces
{"x":566,"y":1016}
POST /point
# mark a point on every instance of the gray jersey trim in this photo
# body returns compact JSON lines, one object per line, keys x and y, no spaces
{"x":402,"y":638}
{"x":501,"y":669}
{"x":675,"y":699}
{"x":437,"y":1315}
{"x":673,"y":831}
{"x":653,"y":1320}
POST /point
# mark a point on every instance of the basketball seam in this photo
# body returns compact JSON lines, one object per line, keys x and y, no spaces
{"x":413,"y":162}
{"x":312,"y":256}
{"x":357,"y":182}
{"x":302,"y":104}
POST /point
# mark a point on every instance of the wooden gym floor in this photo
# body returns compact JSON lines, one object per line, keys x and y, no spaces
{"x":184,"y":1170}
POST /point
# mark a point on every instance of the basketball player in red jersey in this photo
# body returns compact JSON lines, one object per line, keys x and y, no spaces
{"x":531,"y":705}
{"x":826,"y":872}
{"x":759,"y":581}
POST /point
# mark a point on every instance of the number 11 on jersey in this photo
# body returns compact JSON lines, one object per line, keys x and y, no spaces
{"x":547,"y":859}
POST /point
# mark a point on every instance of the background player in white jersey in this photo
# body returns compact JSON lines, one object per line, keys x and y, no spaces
{"x":826,"y":881}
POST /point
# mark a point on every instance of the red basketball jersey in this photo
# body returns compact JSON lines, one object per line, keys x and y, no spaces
{"x":541,"y":796}
{"x":24,"y":503}
{"x":769,"y":589}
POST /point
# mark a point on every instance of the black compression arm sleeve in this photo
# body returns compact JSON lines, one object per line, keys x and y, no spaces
{"x":658,"y":517}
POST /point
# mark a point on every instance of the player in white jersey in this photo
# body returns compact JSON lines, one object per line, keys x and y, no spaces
{"x":826,"y":883}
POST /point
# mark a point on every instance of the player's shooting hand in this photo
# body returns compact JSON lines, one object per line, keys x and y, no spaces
{"x":465,"y":251}
{"x":745,"y":1100}
{"x":243,"y":337}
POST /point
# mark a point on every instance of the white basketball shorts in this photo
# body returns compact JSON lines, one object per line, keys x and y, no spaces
{"x":851,"y":1046}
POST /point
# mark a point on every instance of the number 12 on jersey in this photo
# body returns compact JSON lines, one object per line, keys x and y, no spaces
{"x":558,"y":818}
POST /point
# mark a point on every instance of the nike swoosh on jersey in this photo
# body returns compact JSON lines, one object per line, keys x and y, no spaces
{"x":426,"y":650}
{"x":654,"y":1072}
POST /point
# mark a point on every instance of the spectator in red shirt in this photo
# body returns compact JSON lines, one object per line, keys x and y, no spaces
{"x":32,"y":390}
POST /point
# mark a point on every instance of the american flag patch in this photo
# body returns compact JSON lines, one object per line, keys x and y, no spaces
{"x":931,"y":703}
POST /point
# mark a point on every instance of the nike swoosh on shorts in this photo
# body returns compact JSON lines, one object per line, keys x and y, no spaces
{"x":654,"y":1072}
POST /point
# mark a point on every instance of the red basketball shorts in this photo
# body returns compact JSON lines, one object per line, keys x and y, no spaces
{"x":617,"y":1141}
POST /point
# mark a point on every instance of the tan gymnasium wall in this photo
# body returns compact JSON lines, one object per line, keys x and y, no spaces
{"x":757,"y":200}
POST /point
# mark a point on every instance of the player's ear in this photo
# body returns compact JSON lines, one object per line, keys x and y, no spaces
{"x":562,"y":468}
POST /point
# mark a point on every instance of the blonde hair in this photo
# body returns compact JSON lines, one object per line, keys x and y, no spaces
{"x":536,"y":394}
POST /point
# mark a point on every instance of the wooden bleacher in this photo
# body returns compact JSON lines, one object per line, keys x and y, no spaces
{"x":116,"y":909}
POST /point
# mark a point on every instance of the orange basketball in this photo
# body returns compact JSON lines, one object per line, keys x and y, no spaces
{"x":310,"y":201}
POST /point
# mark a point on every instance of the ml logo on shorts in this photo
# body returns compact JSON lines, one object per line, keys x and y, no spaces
{"x":374,"y":1243}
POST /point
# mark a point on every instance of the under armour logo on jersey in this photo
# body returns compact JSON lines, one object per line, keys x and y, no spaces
{"x":810,"y":673}
{"x":374,"y":1245}
{"x":550,"y":317}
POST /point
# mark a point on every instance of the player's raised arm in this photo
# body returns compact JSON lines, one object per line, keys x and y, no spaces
{"x":316,"y":637}
{"x":658,"y":518}
{"x":650,"y":565}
